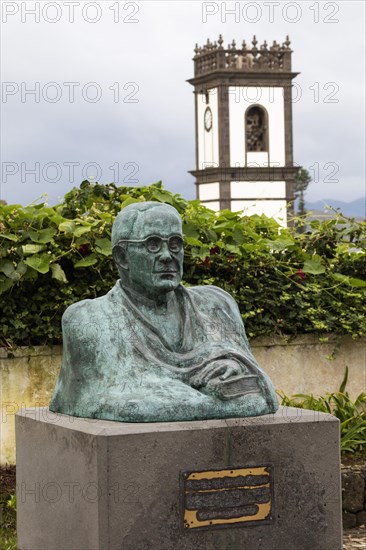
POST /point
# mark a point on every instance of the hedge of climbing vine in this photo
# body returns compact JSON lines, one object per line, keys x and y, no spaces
{"x":285,"y":282}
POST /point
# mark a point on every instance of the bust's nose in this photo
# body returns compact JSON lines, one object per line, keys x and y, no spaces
{"x":164,"y":255}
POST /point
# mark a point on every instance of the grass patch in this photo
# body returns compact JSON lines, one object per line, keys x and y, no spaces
{"x":8,"y":539}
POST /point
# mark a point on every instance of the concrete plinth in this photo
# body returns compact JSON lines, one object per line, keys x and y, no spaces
{"x":271,"y":482}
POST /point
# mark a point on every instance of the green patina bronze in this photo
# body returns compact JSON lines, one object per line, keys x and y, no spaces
{"x":152,"y":350}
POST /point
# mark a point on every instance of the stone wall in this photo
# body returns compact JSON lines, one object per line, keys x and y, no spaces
{"x":305,"y":365}
{"x":301,"y":365}
{"x":26,"y":380}
{"x":354,"y":495}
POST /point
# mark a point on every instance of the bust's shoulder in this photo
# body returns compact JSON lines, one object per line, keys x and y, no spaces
{"x":213,"y":294}
{"x":87,"y":309}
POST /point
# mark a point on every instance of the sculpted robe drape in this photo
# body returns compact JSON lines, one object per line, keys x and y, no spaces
{"x":117,"y":366}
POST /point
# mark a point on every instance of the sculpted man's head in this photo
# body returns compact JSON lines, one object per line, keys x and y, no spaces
{"x":148,"y":250}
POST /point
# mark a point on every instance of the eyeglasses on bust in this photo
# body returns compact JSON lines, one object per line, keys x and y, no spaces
{"x":153,"y":243}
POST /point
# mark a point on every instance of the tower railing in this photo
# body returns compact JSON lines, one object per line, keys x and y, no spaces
{"x":214,"y":57}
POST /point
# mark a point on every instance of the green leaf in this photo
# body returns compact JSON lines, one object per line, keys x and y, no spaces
{"x":104,"y":246}
{"x":128,"y":201}
{"x":340,"y":277}
{"x":228,"y":214}
{"x":81,"y":229}
{"x":201,"y":252}
{"x":162,"y":196}
{"x":5,"y":284}
{"x":6,"y":267}
{"x":9,"y":236}
{"x":356,"y":282}
{"x":280,"y":244}
{"x":67,"y":227}
{"x":42,"y":235}
{"x":21,"y":268}
{"x":231,"y":247}
{"x":210,"y":235}
{"x":344,"y":381}
{"x":86,"y":262}
{"x":238,"y":236}
{"x":58,"y":273}
{"x":192,"y":241}
{"x":32,"y":248}
{"x":352,"y":281}
{"x":40,"y":263}
{"x":190,"y":230}
{"x":227,"y":224}
{"x":314,"y":267}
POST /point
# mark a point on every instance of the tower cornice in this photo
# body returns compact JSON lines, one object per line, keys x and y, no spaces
{"x":247,"y":173}
{"x":235,"y":78}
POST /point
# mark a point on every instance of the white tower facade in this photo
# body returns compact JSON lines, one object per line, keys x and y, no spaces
{"x":243,"y":108}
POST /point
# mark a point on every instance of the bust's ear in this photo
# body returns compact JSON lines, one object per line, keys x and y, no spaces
{"x":120,"y":256}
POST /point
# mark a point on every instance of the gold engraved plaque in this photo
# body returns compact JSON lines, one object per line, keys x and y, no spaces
{"x":223,"y":498}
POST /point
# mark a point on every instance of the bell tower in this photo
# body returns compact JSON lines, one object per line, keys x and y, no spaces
{"x":243,"y":112}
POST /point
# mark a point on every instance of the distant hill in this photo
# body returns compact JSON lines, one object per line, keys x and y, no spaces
{"x":356,"y":209}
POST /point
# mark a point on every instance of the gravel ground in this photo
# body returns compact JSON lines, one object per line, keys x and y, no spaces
{"x":354,"y":539}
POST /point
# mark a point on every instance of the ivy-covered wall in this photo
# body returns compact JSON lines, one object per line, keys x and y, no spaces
{"x":285,"y":283}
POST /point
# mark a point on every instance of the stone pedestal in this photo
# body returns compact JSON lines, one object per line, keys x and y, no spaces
{"x":270,"y":482}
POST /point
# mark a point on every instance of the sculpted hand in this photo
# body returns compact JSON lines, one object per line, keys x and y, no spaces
{"x":215,"y":372}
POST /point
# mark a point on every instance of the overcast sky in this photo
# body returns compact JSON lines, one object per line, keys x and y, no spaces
{"x":126,"y":112}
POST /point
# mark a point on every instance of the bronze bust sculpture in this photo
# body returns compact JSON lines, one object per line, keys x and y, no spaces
{"x":152,"y":350}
